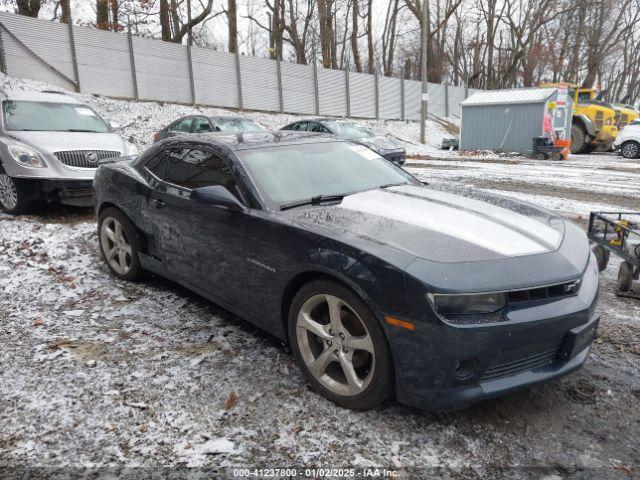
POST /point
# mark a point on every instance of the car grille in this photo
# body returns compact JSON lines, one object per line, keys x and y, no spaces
{"x":524,"y":364}
{"x":551,"y":292}
{"x":84,"y":158}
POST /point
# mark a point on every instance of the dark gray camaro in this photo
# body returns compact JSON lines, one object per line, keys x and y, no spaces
{"x":379,"y":283}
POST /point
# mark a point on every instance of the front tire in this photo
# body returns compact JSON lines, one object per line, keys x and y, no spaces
{"x":578,"y":139}
{"x":602,"y":257}
{"x":630,"y":150}
{"x":15,"y":194}
{"x":339,"y":346}
{"x":120,"y":245}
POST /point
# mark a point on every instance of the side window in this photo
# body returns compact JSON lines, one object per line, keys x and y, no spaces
{"x":201,"y":124}
{"x":317,"y":128}
{"x":156,"y":164}
{"x":300,"y":126}
{"x":195,"y":168}
{"x":183,"y":126}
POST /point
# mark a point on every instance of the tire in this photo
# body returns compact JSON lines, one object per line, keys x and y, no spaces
{"x":120,"y":245}
{"x":589,"y":148}
{"x":602,"y":257}
{"x":15,"y":194}
{"x":578,"y":139}
{"x":630,"y":149}
{"x":352,"y":341}
{"x":625,"y":277}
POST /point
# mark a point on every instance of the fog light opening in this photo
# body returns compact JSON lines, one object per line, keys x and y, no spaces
{"x":466,"y":368}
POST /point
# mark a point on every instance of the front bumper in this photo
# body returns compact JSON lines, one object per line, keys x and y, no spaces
{"x":440,"y":366}
{"x":69,"y":192}
{"x":607,"y":134}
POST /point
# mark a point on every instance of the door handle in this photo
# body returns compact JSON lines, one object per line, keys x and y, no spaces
{"x":158,"y":203}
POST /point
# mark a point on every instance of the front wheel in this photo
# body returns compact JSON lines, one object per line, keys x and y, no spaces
{"x":630,"y":150}
{"x":578,"y":139}
{"x":340,"y":346}
{"x":120,"y":244}
{"x":15,"y":194}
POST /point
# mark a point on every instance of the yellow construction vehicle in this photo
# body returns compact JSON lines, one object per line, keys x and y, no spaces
{"x":594,"y":125}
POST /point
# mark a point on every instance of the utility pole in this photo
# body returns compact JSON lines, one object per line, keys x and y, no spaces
{"x":424,"y":97}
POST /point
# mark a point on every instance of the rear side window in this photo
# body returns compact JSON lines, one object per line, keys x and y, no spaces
{"x":300,"y":126}
{"x":183,"y":126}
{"x":192,"y":169}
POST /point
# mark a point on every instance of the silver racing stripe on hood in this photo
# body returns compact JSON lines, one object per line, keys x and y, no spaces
{"x":490,"y":227}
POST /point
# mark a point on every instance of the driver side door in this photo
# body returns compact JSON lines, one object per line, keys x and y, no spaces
{"x":203,"y":245}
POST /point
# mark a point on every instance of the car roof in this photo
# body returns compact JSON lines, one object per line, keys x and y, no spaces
{"x":228,"y":117}
{"x":45,"y":96}
{"x":250,"y":140}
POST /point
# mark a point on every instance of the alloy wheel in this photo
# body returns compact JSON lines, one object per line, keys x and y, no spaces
{"x":115,"y":246}
{"x":335,"y":345}
{"x":8,"y":192}
{"x":631,"y":150}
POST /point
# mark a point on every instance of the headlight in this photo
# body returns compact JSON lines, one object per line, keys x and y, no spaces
{"x":26,"y":156}
{"x":131,"y":149}
{"x":469,"y":304}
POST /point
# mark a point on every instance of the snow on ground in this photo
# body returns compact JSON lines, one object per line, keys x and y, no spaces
{"x":99,"y":372}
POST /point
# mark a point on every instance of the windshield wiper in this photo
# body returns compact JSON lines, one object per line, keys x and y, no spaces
{"x":317,"y":200}
{"x":80,"y":130}
{"x":387,"y":185}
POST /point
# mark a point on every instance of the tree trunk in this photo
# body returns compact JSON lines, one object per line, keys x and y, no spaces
{"x":29,"y":8}
{"x":165,"y":23}
{"x":65,"y":16}
{"x":232,"y":15}
{"x":354,"y":37}
{"x":102,"y":14}
{"x":371,"y":67}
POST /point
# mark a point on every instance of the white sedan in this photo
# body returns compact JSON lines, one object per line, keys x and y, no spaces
{"x":628,"y":140}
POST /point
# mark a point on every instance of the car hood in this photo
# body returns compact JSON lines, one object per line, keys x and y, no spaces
{"x":50,"y":142}
{"x":380,"y":144}
{"x":439,"y":225}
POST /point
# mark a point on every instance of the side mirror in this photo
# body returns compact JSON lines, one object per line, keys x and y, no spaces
{"x":114,"y":125}
{"x":218,"y":196}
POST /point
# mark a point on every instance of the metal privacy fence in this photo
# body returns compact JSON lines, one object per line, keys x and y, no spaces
{"x":125,"y":66}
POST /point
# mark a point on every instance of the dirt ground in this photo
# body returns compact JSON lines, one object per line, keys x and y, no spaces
{"x":95,"y":372}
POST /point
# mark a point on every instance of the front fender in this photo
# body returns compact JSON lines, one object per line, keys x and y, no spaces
{"x":587,"y":123}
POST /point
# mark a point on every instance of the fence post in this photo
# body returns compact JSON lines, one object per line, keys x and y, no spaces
{"x":347,"y":90}
{"x":74,"y":58}
{"x":239,"y":78}
{"x":192,"y":82}
{"x":132,"y":59}
{"x":376,"y":82}
{"x":279,"y":73}
{"x":315,"y":87}
{"x":446,"y":100}
{"x":3,"y":65}
{"x":402,"y":114}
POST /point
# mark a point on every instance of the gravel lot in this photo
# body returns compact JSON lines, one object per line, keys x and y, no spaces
{"x":95,"y":372}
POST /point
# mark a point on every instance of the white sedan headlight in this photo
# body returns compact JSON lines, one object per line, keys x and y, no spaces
{"x":26,"y":156}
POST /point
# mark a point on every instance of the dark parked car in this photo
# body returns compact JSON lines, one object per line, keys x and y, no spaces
{"x":378,"y":282}
{"x":389,"y":149}
{"x":207,"y":124}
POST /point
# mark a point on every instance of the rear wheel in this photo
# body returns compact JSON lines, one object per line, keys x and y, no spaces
{"x":340,"y":346}
{"x":578,"y":139}
{"x":630,"y":150}
{"x":120,"y":244}
{"x":625,"y":277}
{"x":15,"y":194}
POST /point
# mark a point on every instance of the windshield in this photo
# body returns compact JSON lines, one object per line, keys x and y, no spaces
{"x":237,"y":125}
{"x":291,"y":173}
{"x":349,"y":130}
{"x":51,"y":117}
